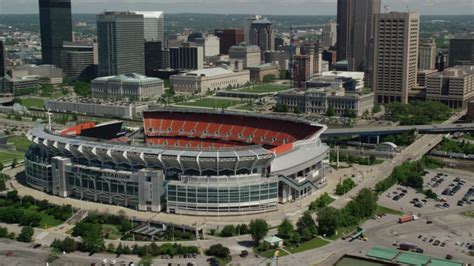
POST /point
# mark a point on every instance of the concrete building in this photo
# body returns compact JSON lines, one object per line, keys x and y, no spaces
{"x":461,"y":51}
{"x":3,"y":60}
{"x":357,"y":78}
{"x":261,"y":34}
{"x":120,"y":37}
{"x":154,"y":24}
{"x":54,"y":75}
{"x":301,"y":70}
{"x":229,"y":38}
{"x":442,"y":60}
{"x":318,"y":101}
{"x":329,"y":36}
{"x":247,"y":25}
{"x":249,"y":54}
{"x":96,"y":107}
{"x":422,"y":77}
{"x":209,"y":79}
{"x":6,"y":92}
{"x":56,"y":28}
{"x":186,"y":57}
{"x":258,"y":72}
{"x":280,"y":57}
{"x":453,"y":86}
{"x":210,"y":45}
{"x":80,"y":60}
{"x":395,"y":56}
{"x":153,"y":57}
{"x":133,"y":87}
{"x":361,"y":32}
{"x":427,"y":54}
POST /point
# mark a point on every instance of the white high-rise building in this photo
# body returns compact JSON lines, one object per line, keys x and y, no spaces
{"x":329,"y":36}
{"x":154,"y":23}
{"x":210,"y":45}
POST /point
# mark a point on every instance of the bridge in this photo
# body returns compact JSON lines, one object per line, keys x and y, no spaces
{"x":380,"y":131}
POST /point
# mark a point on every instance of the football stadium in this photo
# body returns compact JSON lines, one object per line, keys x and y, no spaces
{"x":183,"y":162}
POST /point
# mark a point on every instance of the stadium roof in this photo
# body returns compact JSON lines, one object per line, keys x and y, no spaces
{"x":441,"y":262}
{"x":383,"y":253}
{"x":412,"y":258}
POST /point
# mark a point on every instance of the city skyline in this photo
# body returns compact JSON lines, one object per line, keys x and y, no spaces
{"x":298,"y":7}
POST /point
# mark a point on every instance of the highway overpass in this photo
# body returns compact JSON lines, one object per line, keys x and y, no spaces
{"x":381,"y":131}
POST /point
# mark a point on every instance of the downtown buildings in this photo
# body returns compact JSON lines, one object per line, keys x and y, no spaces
{"x":56,"y":28}
{"x":120,"y":36}
{"x":395,"y":56}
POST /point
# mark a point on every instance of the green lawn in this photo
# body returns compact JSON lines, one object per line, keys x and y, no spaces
{"x":468,"y":214}
{"x":246,"y":107}
{"x":342,"y":231}
{"x":384,"y":210}
{"x":223,"y":262}
{"x":271,"y":253}
{"x":312,"y":244}
{"x":7,"y":156}
{"x":211,"y":103}
{"x":264,"y":88}
{"x":32,"y":102}
{"x":21,"y":143}
{"x":46,"y":219}
{"x":111,"y":231}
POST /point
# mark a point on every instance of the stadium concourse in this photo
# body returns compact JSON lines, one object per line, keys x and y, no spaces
{"x":205,"y":164}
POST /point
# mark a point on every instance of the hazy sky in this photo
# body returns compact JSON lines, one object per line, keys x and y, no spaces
{"x":268,"y":7}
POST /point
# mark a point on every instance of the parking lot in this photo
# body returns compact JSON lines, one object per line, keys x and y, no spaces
{"x":454,"y":191}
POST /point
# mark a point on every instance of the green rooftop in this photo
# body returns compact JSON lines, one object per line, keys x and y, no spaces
{"x":441,"y":262}
{"x":383,"y":253}
{"x":412,"y":258}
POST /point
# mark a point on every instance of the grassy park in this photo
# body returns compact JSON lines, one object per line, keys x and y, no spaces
{"x":32,"y":102}
{"x":264,"y":88}
{"x":216,"y":103}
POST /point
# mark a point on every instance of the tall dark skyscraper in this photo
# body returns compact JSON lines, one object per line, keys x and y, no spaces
{"x":344,"y":26}
{"x":229,"y":38}
{"x":120,"y":37}
{"x":56,"y":27}
{"x":153,"y":57}
{"x":461,"y":51}
{"x":2,"y":60}
{"x":361,"y":33}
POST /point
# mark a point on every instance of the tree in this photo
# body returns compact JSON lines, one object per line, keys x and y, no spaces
{"x":93,"y":238}
{"x":280,"y":108}
{"x":31,"y":219}
{"x":228,"y":230}
{"x":26,"y":234}
{"x":372,"y":159}
{"x":119,"y":249}
{"x":12,"y":195}
{"x":285,"y":229}
{"x":330,"y":111}
{"x":327,"y":221}
{"x":14,"y":163}
{"x":306,"y":226}
{"x":376,"y":108}
{"x":268,"y":78}
{"x":110,"y":248}
{"x":218,"y":250}
{"x":242,"y":229}
{"x":258,"y":229}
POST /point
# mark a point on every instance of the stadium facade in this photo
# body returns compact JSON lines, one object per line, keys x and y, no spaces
{"x":206,"y":163}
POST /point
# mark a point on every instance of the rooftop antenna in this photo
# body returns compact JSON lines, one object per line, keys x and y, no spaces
{"x":386,"y":8}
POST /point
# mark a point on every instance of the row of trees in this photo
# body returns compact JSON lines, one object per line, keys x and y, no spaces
{"x":231,"y":230}
{"x":344,"y":186}
{"x":417,"y":113}
{"x":360,"y":208}
{"x":349,"y":158}
{"x":70,"y":245}
{"x":456,"y":146}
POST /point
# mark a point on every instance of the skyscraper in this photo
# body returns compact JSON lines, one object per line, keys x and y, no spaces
{"x":361,"y":33}
{"x":344,"y":26}
{"x":229,"y":38}
{"x":427,"y":54}
{"x":395,"y":55}
{"x":2,"y":60}
{"x":120,"y":37}
{"x":79,"y":60}
{"x":461,"y":51}
{"x":261,"y":34}
{"x":154,"y":23}
{"x":187,"y":57}
{"x":153,"y":57}
{"x":329,"y":36}
{"x":56,"y":27}
{"x":301,"y":70}
{"x":247,"y":24}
